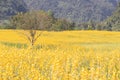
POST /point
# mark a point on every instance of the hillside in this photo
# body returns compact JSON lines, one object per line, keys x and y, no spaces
{"x":76,"y":10}
{"x":73,"y":10}
{"x":11,"y":7}
{"x":113,"y":22}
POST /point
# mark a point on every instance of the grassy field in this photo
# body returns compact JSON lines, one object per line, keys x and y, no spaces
{"x":65,"y":55}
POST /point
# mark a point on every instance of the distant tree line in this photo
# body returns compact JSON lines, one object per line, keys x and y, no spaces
{"x":60,"y":24}
{"x":112,"y":23}
{"x":32,"y":21}
{"x":57,"y":24}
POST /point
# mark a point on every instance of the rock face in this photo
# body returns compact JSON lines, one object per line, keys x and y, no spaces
{"x":76,"y":10}
{"x":11,"y":7}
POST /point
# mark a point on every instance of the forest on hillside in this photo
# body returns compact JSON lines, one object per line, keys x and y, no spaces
{"x":67,"y":14}
{"x":11,"y":7}
{"x":76,"y":10}
{"x":73,"y":10}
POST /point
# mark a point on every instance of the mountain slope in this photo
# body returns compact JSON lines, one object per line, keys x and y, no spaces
{"x":76,"y":10}
{"x":113,"y":22}
{"x":11,"y":7}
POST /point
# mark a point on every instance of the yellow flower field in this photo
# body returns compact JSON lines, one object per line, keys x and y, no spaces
{"x":65,"y":55}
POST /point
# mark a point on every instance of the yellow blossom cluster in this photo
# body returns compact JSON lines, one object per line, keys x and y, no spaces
{"x":67,"y":55}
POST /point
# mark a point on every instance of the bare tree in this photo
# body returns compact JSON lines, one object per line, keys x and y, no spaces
{"x":30,"y":22}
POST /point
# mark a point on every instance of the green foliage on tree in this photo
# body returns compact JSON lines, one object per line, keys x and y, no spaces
{"x":5,"y":24}
{"x":62,"y":24}
{"x":30,"y":22}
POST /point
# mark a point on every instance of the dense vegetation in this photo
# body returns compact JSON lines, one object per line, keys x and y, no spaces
{"x":40,"y":20}
{"x":76,"y":10}
{"x":11,"y":7}
{"x":68,"y":55}
{"x":35,"y":54}
{"x":67,"y":15}
{"x":113,"y":22}
{"x":31,"y":22}
{"x":73,"y":10}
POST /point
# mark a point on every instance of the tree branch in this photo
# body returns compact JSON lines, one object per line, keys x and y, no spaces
{"x":38,"y":36}
{"x":27,"y":36}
